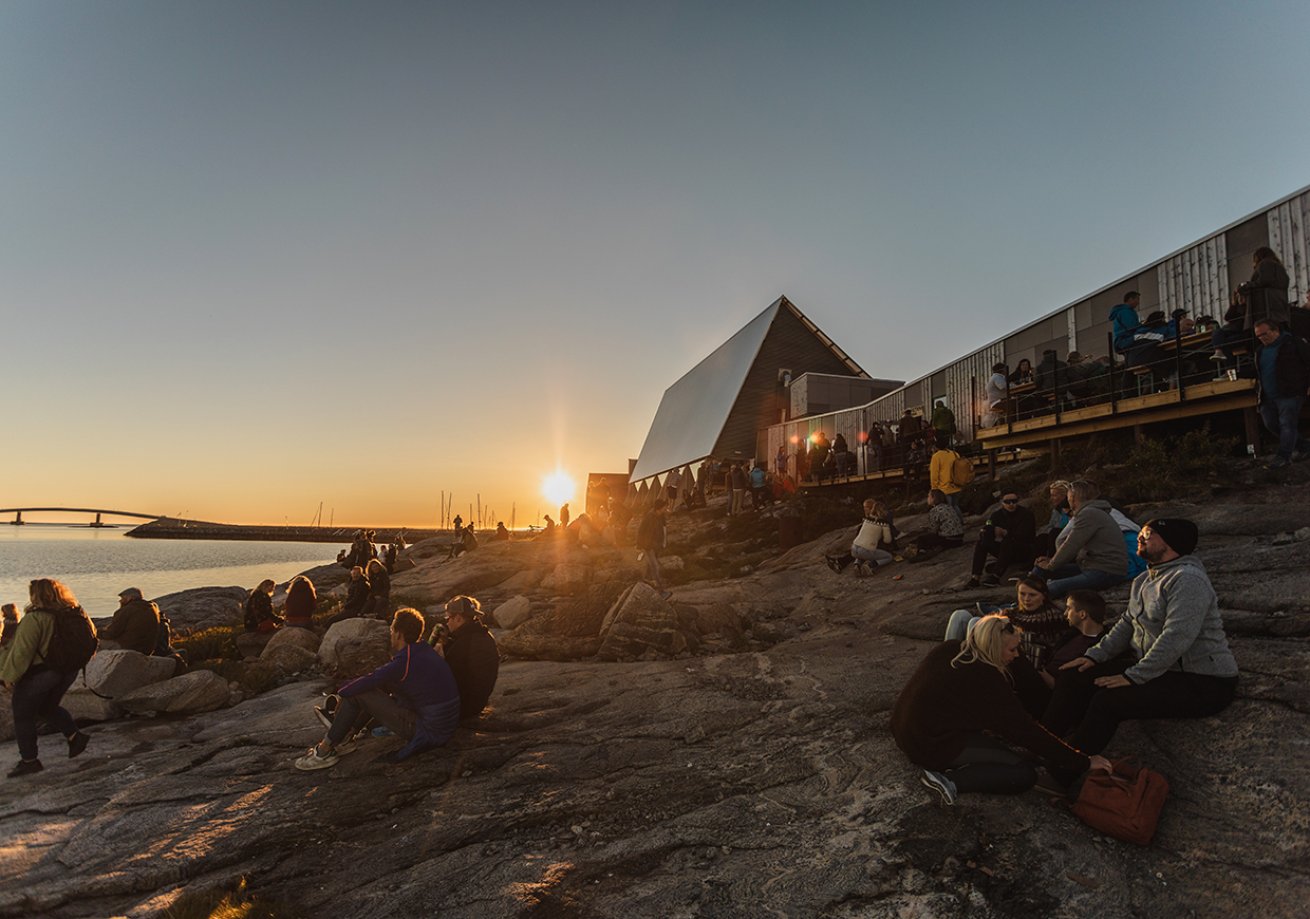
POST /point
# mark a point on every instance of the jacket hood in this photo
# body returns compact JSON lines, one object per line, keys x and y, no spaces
{"x":1099,"y":503}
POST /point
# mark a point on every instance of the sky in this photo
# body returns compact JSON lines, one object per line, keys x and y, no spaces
{"x":255,"y":256}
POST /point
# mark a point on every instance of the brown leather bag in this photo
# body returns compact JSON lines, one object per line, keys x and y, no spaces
{"x":1125,"y":804}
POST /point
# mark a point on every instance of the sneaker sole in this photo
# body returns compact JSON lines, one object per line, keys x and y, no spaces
{"x":307,"y":765}
{"x":937,"y":789}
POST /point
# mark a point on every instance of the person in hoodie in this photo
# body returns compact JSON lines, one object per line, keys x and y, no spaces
{"x":1166,"y":657}
{"x":1266,"y":292}
{"x":470,"y":649}
{"x":1091,"y":553}
{"x":1138,"y":342}
{"x":422,"y":704}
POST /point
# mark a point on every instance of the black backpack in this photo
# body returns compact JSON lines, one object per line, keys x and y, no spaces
{"x":74,"y":641}
{"x":164,"y":639}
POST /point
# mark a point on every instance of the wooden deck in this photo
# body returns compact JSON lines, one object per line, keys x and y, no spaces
{"x":980,"y":464}
{"x":1197,"y":399}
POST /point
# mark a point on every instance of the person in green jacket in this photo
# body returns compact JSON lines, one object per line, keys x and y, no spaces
{"x":38,"y":688}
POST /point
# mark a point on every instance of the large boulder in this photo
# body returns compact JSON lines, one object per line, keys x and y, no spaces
{"x":288,"y":657}
{"x":85,"y":705}
{"x":305,"y":639}
{"x":354,"y":647}
{"x":116,"y":673}
{"x":644,"y":624}
{"x":197,"y":691}
{"x":252,"y":644}
{"x":513,"y":612}
{"x":203,"y":607}
{"x":567,"y":578}
{"x":535,"y":644}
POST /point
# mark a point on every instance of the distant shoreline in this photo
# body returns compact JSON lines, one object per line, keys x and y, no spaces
{"x":173,"y":528}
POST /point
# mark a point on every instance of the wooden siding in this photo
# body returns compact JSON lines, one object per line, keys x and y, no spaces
{"x":1196,"y":280}
{"x":1288,"y":238}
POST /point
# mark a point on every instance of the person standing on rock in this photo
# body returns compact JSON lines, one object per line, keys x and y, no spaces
{"x":564,"y":515}
{"x":302,"y":603}
{"x":652,"y":537}
{"x":958,"y":714}
{"x":378,"y":604}
{"x":1166,"y":657}
{"x":1284,"y":364}
{"x":30,"y":669}
{"x":259,"y":609}
{"x":422,"y":706}
{"x":470,"y":649}
{"x":135,"y":626}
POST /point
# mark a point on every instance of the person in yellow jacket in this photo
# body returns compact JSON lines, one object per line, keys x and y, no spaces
{"x":939,"y":472}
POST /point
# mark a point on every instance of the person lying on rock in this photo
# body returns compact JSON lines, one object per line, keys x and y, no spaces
{"x":1166,"y":657}
{"x":945,"y":529}
{"x":958,"y":713}
{"x":470,"y":649}
{"x":422,"y":706}
{"x":135,"y":626}
{"x":872,"y":543}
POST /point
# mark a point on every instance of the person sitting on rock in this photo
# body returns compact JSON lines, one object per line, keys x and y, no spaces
{"x":502,"y":534}
{"x":1043,"y":622}
{"x":470,"y":649}
{"x":356,"y":597}
{"x":422,"y":707}
{"x":378,"y":604}
{"x":867,"y":548}
{"x":1166,"y":657}
{"x":302,"y":603}
{"x":28,"y":671}
{"x":393,"y":553}
{"x":945,"y":529}
{"x":259,"y":609}
{"x":1046,"y":539}
{"x":1091,"y":551}
{"x":135,"y":626}
{"x":1010,"y":534}
{"x":956,"y":715}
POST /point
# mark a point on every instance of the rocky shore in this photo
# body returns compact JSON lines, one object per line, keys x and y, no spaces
{"x":722,"y":754}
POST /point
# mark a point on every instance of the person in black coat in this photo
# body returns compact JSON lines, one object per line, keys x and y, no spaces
{"x":1283,"y":370}
{"x":1010,"y":534}
{"x":470,"y":650}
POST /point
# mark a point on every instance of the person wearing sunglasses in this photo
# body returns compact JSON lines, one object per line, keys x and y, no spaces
{"x":958,"y":716}
{"x":1010,"y":534}
{"x":1166,"y":657}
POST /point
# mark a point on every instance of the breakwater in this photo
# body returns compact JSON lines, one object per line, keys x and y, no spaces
{"x":175,"y":528}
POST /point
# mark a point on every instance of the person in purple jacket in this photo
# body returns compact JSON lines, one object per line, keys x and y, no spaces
{"x":414,"y":694}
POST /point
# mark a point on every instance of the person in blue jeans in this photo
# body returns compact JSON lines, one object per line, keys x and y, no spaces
{"x":1283,"y":361}
{"x":1090,"y":553}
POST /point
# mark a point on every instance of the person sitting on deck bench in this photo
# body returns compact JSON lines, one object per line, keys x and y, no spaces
{"x":422,"y":707}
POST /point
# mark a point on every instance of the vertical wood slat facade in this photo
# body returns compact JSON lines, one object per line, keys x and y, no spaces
{"x":1287,"y":237}
{"x":1196,"y":280}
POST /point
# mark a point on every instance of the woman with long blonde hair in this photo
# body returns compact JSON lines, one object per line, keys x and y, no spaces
{"x":961,"y":695}
{"x":38,"y":687}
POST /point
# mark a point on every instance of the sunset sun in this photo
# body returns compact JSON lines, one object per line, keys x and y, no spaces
{"x":558,"y":487}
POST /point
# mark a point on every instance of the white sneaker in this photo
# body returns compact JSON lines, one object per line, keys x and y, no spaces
{"x":940,"y":784}
{"x":314,"y":760}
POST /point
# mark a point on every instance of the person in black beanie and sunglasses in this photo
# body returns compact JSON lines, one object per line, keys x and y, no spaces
{"x":1167,"y":657}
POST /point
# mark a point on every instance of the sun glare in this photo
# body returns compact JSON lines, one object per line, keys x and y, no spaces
{"x":558,"y":487}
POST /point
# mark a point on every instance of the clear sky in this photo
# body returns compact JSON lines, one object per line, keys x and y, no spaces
{"x":254,"y":256}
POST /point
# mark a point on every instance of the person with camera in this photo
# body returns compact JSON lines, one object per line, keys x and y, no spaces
{"x":470,"y":649}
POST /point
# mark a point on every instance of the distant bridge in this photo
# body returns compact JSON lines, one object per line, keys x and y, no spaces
{"x":19,"y":511}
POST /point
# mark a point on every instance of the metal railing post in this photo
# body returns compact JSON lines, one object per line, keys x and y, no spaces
{"x":1114,"y":367}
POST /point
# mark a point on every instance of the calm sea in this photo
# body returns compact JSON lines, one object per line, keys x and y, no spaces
{"x":97,"y":564}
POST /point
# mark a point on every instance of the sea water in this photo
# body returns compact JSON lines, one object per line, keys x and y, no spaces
{"x":98,"y":563}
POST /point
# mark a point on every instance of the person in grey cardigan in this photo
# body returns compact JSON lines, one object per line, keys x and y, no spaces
{"x":1167,"y":656}
{"x":1090,"y":552}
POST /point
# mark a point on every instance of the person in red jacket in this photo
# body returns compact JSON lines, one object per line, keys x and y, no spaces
{"x":958,"y":713}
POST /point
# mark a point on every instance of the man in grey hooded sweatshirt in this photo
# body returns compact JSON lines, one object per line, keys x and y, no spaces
{"x":1090,"y":552}
{"x":1167,"y":657}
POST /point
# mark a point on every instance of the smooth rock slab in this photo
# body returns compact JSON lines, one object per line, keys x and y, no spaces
{"x":198,"y":691}
{"x":641,"y":622}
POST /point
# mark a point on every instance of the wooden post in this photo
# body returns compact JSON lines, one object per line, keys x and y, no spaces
{"x":991,"y":463}
{"x":1251,"y":421}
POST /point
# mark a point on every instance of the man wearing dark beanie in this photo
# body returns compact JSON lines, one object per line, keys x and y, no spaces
{"x":1167,"y":657}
